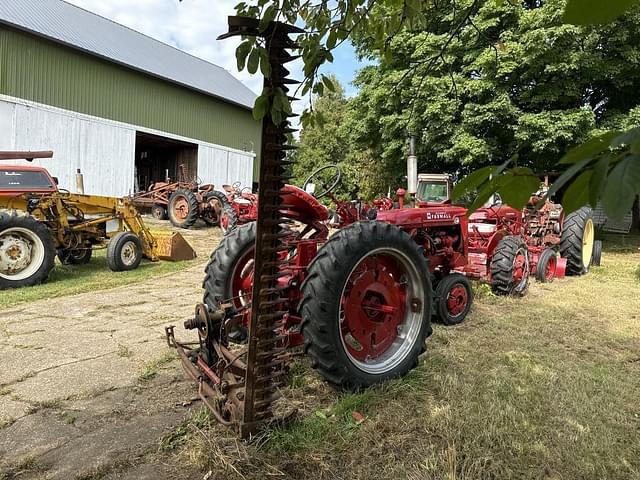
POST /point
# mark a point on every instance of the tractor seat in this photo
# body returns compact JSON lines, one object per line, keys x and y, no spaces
{"x":302,"y":206}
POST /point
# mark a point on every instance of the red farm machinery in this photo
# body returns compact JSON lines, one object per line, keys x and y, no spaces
{"x":359,"y":302}
{"x":183,"y":202}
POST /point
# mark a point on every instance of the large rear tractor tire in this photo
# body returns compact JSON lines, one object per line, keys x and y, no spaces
{"x":229,"y":273}
{"x":27,"y":251}
{"x":183,"y":208}
{"x":215,"y":201}
{"x":366,"y":305}
{"x":547,"y":266}
{"x":454,"y":296}
{"x":510,"y":267}
{"x":228,"y":219}
{"x":576,"y":242}
{"x":124,"y":252}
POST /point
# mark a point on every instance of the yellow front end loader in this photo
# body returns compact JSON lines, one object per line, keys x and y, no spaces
{"x":40,"y":221}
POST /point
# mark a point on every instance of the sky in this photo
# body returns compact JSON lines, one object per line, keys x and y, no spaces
{"x":193,"y":25}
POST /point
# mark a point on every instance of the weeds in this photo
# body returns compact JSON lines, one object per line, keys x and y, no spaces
{"x":150,"y":370}
{"x":179,"y":434}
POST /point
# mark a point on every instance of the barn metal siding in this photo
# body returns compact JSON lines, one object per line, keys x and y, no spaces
{"x":103,"y":151}
{"x":221,"y":167}
{"x":42,"y":71}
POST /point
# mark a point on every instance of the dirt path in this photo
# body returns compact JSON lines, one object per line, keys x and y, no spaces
{"x":88,"y":386}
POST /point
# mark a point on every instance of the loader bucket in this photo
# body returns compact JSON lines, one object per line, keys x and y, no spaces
{"x":173,"y":246}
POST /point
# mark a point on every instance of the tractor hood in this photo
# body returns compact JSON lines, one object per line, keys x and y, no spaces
{"x":492,"y":214}
{"x":442,"y":215}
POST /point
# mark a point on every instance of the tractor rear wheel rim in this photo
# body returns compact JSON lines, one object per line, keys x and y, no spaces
{"x":457,"y":300}
{"x":22,"y":253}
{"x":381,"y":310}
{"x":550,"y":268}
{"x":520,"y":269}
{"x":242,"y":280}
{"x":181,"y":208}
{"x":587,"y":243}
{"x":128,"y":253}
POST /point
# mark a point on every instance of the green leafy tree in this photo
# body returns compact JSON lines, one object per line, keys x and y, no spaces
{"x":515,"y":82}
{"x":323,"y":142}
{"x":599,"y":164}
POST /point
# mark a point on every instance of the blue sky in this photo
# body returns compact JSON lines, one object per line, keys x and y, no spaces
{"x":193,"y":25}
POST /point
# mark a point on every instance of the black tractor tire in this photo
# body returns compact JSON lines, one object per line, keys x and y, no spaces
{"x":448,"y":285}
{"x":124,"y":252}
{"x":572,"y":238}
{"x":79,"y":256}
{"x":596,"y":258}
{"x":322,"y":293}
{"x":39,"y":236}
{"x":159,"y":212}
{"x":219,"y":272}
{"x":222,"y":200}
{"x":231,"y":218}
{"x":502,"y":267}
{"x":547,"y":255}
{"x":192,"y":204}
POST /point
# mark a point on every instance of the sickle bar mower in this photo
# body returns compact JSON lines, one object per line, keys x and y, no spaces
{"x":241,"y":392}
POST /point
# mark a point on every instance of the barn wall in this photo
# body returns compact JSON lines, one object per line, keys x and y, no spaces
{"x":45,"y":72}
{"x":220,"y":167}
{"x":104,"y":150}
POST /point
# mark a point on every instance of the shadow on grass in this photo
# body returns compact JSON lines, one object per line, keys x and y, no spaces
{"x":96,"y":275}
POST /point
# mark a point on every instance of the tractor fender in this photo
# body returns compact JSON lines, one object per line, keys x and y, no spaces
{"x":494,"y":241}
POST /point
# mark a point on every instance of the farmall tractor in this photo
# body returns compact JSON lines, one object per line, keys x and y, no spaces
{"x":183,"y":202}
{"x":360,"y":303}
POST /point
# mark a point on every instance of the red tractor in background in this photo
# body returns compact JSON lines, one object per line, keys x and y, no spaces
{"x":241,"y":207}
{"x":182,"y":202}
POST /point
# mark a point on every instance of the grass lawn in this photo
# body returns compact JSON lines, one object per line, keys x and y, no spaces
{"x":96,"y":275}
{"x":541,"y":387}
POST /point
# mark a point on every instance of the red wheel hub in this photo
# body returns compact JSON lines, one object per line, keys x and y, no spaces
{"x":457,"y":300}
{"x":242,"y":280}
{"x":519,"y":266}
{"x":224,"y":221}
{"x":373,"y":307}
{"x":181,"y":208}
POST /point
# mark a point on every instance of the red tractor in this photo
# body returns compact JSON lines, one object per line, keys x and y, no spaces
{"x":183,"y":202}
{"x":241,"y":207}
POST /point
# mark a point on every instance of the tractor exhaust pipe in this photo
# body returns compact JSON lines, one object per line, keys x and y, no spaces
{"x":412,"y":170}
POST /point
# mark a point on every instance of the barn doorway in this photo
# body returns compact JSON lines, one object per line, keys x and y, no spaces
{"x":160,"y":158}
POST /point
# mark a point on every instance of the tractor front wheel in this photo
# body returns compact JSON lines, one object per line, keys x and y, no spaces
{"x":159,"y":212}
{"x":27,"y":251}
{"x":454,"y":296}
{"x":366,"y":305}
{"x":596,"y":258}
{"x":183,"y":208}
{"x":510,"y":267}
{"x":576,"y":242}
{"x":546,"y":266}
{"x":124,"y":252}
{"x":77,"y":256}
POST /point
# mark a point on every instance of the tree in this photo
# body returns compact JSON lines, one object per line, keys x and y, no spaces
{"x":607,"y":166}
{"x":325,"y":141}
{"x":514,"y":81}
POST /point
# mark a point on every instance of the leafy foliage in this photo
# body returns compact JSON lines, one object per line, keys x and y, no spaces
{"x":517,"y":81}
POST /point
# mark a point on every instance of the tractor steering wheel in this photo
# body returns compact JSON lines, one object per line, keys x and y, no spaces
{"x":328,"y":177}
